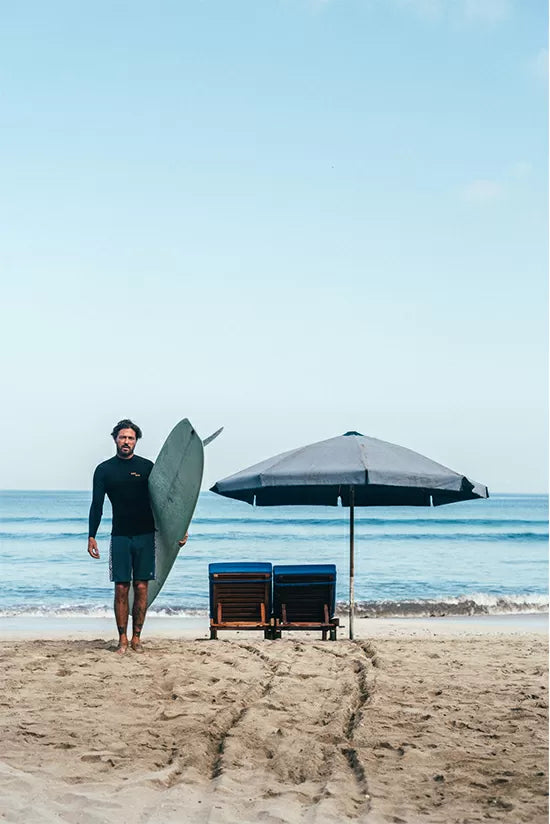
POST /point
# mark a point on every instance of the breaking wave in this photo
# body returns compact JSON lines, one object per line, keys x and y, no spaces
{"x":479,"y":603}
{"x":475,"y":604}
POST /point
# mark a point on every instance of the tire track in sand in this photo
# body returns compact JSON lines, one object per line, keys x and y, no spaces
{"x":356,"y":767}
{"x":217,"y":766}
{"x":293,"y":742}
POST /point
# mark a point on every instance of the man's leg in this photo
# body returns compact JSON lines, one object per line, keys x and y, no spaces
{"x":121,"y":614}
{"x":138,"y":613}
{"x":143,"y":563}
{"x":121,"y":573}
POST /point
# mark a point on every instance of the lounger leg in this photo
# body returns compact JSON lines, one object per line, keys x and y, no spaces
{"x":213,"y":634}
{"x":324,"y":634}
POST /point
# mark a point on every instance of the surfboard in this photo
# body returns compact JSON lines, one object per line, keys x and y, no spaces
{"x":174,"y":486}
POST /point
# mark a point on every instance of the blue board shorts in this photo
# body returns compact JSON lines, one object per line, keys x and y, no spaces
{"x":132,"y":558}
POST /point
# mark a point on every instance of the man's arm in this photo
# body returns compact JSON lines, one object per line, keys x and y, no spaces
{"x":96,"y":511}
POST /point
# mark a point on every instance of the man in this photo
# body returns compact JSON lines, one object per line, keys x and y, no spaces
{"x":132,"y":552}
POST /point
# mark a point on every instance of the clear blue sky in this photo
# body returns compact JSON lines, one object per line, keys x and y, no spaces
{"x":289,"y":217}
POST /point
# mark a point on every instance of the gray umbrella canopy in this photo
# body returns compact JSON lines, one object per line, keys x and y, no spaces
{"x":357,"y":470}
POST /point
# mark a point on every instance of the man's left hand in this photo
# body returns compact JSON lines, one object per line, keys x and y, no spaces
{"x":184,"y":540}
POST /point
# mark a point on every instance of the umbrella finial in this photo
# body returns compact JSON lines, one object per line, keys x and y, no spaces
{"x":352,"y":433}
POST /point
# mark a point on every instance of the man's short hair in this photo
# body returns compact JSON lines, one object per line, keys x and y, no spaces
{"x":126,"y":424}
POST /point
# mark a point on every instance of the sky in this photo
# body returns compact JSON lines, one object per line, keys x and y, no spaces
{"x":290,"y":218}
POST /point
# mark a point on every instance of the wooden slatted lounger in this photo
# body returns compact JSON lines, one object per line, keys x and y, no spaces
{"x":304,"y":598}
{"x":240,"y":597}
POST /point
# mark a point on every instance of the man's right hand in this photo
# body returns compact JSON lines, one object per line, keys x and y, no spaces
{"x":92,"y":548}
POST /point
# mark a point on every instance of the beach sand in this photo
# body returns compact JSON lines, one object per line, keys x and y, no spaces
{"x":412,"y":722}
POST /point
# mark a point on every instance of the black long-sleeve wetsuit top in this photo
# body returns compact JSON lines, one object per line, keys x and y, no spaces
{"x":125,"y":480}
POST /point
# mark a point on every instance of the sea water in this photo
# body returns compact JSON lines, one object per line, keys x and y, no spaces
{"x":486,"y":556}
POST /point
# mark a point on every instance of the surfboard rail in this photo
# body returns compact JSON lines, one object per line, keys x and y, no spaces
{"x":174,"y":486}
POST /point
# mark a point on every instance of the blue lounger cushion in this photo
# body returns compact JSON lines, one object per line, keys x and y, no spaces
{"x":238,"y":566}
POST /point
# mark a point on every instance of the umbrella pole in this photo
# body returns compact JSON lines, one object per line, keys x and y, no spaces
{"x":351,"y":560}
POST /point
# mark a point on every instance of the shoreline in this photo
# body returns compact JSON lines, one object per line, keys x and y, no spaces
{"x":22,"y":627}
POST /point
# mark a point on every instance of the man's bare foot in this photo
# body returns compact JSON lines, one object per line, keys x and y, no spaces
{"x":137,"y":645}
{"x":121,"y":649}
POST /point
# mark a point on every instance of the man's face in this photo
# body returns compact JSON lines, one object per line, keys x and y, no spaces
{"x":125,"y":443}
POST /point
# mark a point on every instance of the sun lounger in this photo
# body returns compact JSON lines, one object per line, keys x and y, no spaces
{"x":240,"y":597}
{"x":304,"y":598}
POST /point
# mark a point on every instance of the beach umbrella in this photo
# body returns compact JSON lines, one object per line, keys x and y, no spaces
{"x":356,"y":470}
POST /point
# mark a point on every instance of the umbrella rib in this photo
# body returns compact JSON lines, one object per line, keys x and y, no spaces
{"x":363,"y":460}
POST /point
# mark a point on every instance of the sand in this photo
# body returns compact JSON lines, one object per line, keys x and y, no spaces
{"x":405,"y":724}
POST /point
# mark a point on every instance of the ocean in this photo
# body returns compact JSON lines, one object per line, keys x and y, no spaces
{"x":481,"y":557}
